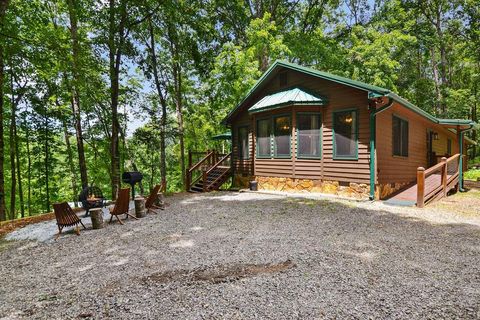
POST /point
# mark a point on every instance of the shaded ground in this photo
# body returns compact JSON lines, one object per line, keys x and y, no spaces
{"x":462,"y":203}
{"x":244,"y":256}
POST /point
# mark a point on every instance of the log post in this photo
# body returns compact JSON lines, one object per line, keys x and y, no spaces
{"x":96,"y":214}
{"x":189,"y":158}
{"x":444,"y":176}
{"x":140,"y":207}
{"x":420,"y":187}
{"x":204,"y":178}
{"x":188,"y":178}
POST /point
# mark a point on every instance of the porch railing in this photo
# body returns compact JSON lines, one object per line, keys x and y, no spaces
{"x":195,"y":172}
{"x":435,"y":182}
{"x":215,"y":178}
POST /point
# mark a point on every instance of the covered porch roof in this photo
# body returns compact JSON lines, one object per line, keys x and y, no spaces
{"x":292,"y":96}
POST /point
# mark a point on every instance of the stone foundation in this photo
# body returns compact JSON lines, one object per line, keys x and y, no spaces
{"x":352,"y":190}
{"x":384,"y":190}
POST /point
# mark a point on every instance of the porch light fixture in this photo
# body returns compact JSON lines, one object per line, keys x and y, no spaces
{"x":435,"y":136}
{"x":347,"y":119}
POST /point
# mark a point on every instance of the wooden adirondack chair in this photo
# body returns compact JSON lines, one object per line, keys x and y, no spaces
{"x":66,"y":218}
{"x":122,"y":205}
{"x":150,"y":202}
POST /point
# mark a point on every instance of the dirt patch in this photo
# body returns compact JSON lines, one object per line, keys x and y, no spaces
{"x":218,"y":274}
{"x":462,"y":203}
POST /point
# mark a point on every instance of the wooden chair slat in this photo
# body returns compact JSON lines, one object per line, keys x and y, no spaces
{"x":65,"y":216}
{"x":152,"y":197}
{"x":122,"y":205}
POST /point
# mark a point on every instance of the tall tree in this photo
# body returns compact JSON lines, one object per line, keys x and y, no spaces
{"x":75,"y":99}
{"x":3,"y":9}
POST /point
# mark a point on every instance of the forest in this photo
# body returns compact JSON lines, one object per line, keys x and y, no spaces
{"x":92,"y":88}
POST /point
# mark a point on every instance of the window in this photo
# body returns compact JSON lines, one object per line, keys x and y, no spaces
{"x":243,"y":152}
{"x":282,"y":138}
{"x":308,"y":135}
{"x":449,"y":147}
{"x":345,"y":143}
{"x":400,"y":137}
{"x":263,"y":138}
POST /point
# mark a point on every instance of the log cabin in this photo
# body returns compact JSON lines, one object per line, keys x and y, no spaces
{"x":302,"y":130}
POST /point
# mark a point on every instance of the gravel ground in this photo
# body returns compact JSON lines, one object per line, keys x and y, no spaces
{"x":246,"y":256}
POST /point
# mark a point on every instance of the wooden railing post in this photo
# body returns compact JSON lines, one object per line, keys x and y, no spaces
{"x":189,"y":179}
{"x":444,"y":176}
{"x":189,"y":159}
{"x":420,"y":187}
{"x":204,"y":178}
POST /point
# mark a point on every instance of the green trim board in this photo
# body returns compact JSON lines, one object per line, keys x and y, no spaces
{"x":345,"y":157}
{"x":373,"y":143}
{"x":303,"y":156}
{"x":373,"y":92}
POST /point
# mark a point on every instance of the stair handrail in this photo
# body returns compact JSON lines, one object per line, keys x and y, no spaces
{"x":189,"y":182}
{"x":199,"y":163}
{"x":422,"y":173}
{"x":219,"y":162}
{"x":207,"y":187}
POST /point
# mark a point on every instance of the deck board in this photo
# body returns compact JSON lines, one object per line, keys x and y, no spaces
{"x":408,"y":197}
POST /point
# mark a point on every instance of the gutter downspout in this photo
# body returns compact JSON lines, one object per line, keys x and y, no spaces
{"x":460,"y":164}
{"x":373,"y":126}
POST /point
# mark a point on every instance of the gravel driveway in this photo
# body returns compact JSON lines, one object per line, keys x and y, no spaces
{"x":247,"y":256}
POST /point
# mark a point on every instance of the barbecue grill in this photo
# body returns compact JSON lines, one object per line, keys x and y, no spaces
{"x":91,"y":197}
{"x":131,"y":178}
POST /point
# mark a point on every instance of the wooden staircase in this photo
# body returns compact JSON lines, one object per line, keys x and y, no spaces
{"x":432,"y":184}
{"x":210,"y":173}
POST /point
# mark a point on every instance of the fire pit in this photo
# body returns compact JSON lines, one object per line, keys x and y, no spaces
{"x":91,"y":197}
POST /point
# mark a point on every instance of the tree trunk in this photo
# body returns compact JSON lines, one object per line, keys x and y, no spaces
{"x":13,"y":186}
{"x":19,"y":174}
{"x":177,"y":85}
{"x":70,"y":163}
{"x":163,"y":103}
{"x":47,"y":159}
{"x":178,"y":106}
{"x":3,"y":9}
{"x":436,"y":79}
{"x":29,"y":169}
{"x":76,"y":94}
{"x":115,"y":56}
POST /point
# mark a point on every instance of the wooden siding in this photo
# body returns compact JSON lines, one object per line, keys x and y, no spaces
{"x":394,"y":169}
{"x":340,"y":97}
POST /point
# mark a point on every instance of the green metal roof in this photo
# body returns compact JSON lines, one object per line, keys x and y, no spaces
{"x":373,"y":92}
{"x":293,"y":96}
{"x":223,"y":136}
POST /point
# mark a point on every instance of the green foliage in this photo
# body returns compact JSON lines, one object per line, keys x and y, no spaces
{"x":209,"y":54}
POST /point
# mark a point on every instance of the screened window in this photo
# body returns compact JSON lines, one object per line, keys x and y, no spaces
{"x":282,"y":136}
{"x":345,"y":134}
{"x":400,"y":137}
{"x":308,"y":140}
{"x":243,"y":143}
{"x":449,"y":147}
{"x":263,"y":138}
